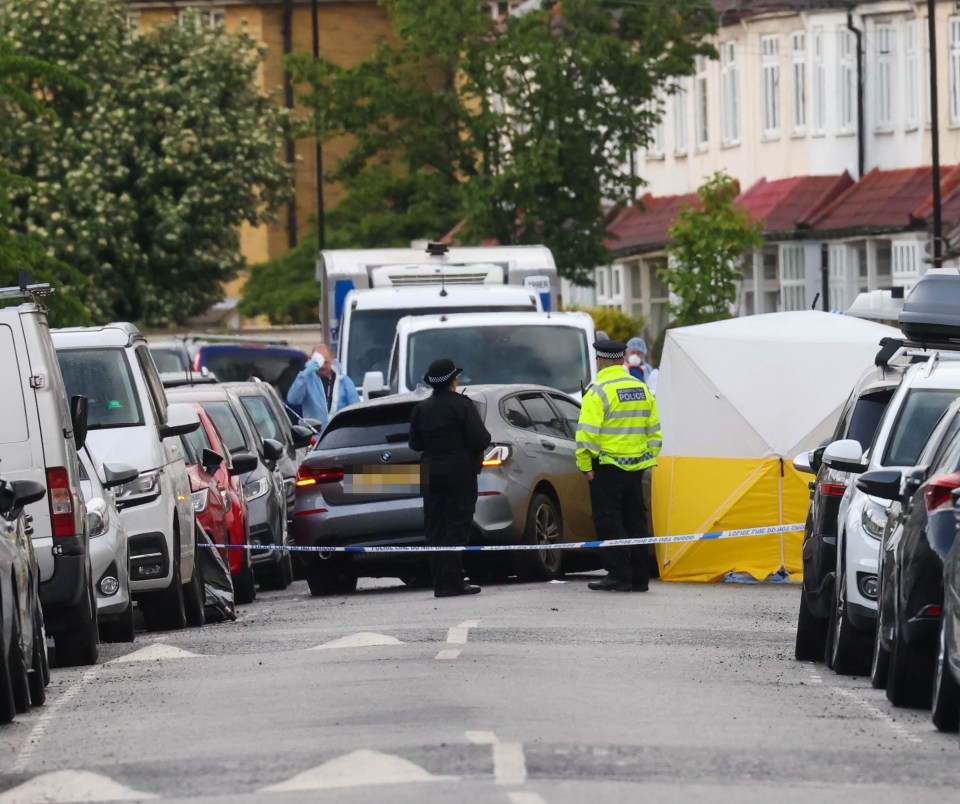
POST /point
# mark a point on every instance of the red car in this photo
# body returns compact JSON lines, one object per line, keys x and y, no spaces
{"x":218,"y":498}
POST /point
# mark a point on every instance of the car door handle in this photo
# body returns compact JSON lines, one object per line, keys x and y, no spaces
{"x":547,"y":444}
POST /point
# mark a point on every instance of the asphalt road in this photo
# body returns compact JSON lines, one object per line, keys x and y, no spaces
{"x":527,"y":693}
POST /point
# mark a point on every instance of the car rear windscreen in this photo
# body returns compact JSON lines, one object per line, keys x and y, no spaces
{"x":918,"y":416}
{"x":237,"y":364}
{"x":372,"y":332}
{"x":364,"y":427}
{"x":104,"y":377}
{"x":541,"y":354}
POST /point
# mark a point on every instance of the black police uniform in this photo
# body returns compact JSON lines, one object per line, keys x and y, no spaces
{"x":448,"y":429}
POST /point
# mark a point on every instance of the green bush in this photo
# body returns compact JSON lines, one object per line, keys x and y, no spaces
{"x":616,"y":323}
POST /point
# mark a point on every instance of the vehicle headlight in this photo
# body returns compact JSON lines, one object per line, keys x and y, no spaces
{"x":874,"y":519}
{"x":200,"y":499}
{"x":98,"y":518}
{"x":142,"y":488}
{"x":256,"y":489}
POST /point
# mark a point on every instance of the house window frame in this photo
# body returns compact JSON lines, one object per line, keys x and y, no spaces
{"x":770,"y":71}
{"x":885,"y":68}
{"x":799,"y":57}
{"x":793,"y":276}
{"x":847,"y":82}
{"x":681,"y":133}
{"x":818,"y":84}
{"x":701,"y":109}
{"x":730,"y":94}
{"x":953,"y":67}
{"x":911,"y":75}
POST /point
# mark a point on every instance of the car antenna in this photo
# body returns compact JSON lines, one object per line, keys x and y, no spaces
{"x":439,"y":250}
{"x":816,"y":298}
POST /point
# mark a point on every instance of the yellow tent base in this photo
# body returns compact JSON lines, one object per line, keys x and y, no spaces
{"x":699,"y":495}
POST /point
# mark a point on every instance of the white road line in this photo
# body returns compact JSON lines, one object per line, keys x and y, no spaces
{"x":457,"y":636}
{"x":49,"y":711}
{"x":525,"y":798}
{"x":509,"y":762}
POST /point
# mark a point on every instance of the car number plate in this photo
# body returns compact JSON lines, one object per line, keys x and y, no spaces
{"x":392,"y":480}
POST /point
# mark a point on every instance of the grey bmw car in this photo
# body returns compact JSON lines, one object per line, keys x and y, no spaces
{"x":360,"y":486}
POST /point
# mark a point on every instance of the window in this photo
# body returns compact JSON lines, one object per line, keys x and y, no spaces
{"x":226,"y":421}
{"x":700,"y":102}
{"x":134,"y":25}
{"x":838,"y":277}
{"x":770,"y":48}
{"x":105,"y":378}
{"x":617,"y":281}
{"x":905,"y":264}
{"x":514,"y":413}
{"x":793,"y":278}
{"x":954,"y":26}
{"x":883,"y":36}
{"x":911,"y":75}
{"x":196,"y":442}
{"x":158,"y":397}
{"x":730,"y":91}
{"x":819,"y":83}
{"x":847,"y":76}
{"x":545,"y":419}
{"x":200,"y":18}
{"x":655,"y":147}
{"x":569,"y":410}
{"x":681,"y":136}
{"x":918,"y":416}
{"x":799,"y":82}
{"x":601,"y":283}
{"x":263,"y":418}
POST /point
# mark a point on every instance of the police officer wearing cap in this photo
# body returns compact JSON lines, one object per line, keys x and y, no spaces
{"x":448,"y":430}
{"x":618,"y":437}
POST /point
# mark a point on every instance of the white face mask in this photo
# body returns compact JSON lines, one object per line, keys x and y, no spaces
{"x":634,"y":360}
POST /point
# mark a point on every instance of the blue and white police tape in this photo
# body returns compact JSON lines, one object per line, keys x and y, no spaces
{"x":772,"y":530}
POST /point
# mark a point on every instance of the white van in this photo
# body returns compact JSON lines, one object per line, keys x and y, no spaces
{"x":129,"y":421}
{"x":40,"y":432}
{"x":370,"y":317}
{"x":552,"y":349}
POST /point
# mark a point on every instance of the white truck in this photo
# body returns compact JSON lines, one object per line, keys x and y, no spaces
{"x":366,"y":291}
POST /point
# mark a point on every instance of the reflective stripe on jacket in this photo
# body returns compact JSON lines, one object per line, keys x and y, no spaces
{"x":618,"y":423}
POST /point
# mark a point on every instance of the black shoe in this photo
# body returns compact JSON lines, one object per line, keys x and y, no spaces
{"x":641,"y":587}
{"x":463,"y":589}
{"x":609,"y":584}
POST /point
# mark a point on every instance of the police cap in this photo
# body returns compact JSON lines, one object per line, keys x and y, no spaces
{"x":609,"y":349}
{"x":441,"y":372}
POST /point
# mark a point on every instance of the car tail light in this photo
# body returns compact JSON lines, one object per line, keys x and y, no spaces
{"x":930,"y":611}
{"x":833,"y":484}
{"x":61,"y":502}
{"x":311,"y":475}
{"x":496,"y":455}
{"x":937,"y":493}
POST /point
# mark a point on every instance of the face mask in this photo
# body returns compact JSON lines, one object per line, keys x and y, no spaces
{"x":320,"y":359}
{"x":634,"y":360}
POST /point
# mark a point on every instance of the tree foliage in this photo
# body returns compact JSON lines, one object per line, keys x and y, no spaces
{"x":142,"y":178}
{"x":524,"y":126}
{"x":709,"y":241}
{"x":285,"y":289}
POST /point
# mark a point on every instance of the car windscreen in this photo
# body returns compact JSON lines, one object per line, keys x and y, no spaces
{"x":263,"y":417}
{"x":372,"y":332}
{"x":866,"y":416}
{"x":541,"y":354}
{"x":226,"y":420}
{"x":104,"y":377}
{"x":363,"y":427}
{"x":168,"y":360}
{"x":279,"y":368}
{"x":918,"y":415}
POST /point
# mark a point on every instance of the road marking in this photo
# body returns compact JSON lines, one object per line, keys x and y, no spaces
{"x":358,"y":769}
{"x":47,"y":714}
{"x":447,"y":654}
{"x":72,"y":785}
{"x":158,"y":650}
{"x":457,"y":636}
{"x":363,"y":639}
{"x":509,"y":762}
{"x":525,"y":798}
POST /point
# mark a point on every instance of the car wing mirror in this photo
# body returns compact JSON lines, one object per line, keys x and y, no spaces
{"x":883,"y":483}
{"x":79,"y":409}
{"x":272,"y":450}
{"x":181,"y":419}
{"x":845,"y":456}
{"x":210,"y":460}
{"x":302,"y":436}
{"x":14,"y":496}
{"x":116,"y":474}
{"x":913,"y":480}
{"x":243,"y":462}
{"x":802,"y":463}
{"x":374,"y":385}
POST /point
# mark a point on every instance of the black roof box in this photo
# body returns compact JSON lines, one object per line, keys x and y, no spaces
{"x":931,"y":313}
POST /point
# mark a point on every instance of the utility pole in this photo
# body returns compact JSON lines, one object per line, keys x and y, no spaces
{"x":321,"y":217}
{"x":935,"y":136}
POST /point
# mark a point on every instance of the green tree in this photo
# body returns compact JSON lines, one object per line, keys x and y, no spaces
{"x":523,"y":127}
{"x":143,"y":181}
{"x":709,"y":242}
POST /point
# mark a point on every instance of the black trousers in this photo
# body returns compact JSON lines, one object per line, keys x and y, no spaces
{"x":619,"y":512}
{"x":447,"y":516}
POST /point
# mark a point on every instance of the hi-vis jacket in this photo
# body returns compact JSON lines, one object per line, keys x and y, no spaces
{"x":618,"y":424}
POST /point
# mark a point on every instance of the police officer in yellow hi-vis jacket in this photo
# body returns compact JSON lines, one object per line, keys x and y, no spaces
{"x":618,"y":437}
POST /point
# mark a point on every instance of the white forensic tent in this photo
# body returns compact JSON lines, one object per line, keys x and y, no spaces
{"x":739,"y":399}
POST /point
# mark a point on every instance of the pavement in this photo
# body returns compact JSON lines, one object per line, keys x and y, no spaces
{"x":540,"y":693}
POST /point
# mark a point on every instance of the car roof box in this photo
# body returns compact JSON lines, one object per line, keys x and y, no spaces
{"x":931,"y":313}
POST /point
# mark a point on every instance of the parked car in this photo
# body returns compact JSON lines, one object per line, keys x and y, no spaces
{"x":925,"y":392}
{"x":361,"y":486}
{"x":170,"y":355}
{"x":42,"y":430}
{"x":946,"y":675}
{"x":215,"y":470}
{"x":24,"y":669}
{"x":262,"y":486}
{"x":109,"y":552}
{"x":858,"y":421}
{"x":240,"y":362}
{"x":919,"y":533}
{"x":131,"y":421}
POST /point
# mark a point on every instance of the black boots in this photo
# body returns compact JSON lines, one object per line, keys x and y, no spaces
{"x":462,"y":588}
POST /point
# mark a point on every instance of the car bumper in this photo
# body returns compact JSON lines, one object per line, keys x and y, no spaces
{"x":862,"y":565}
{"x":108,"y":557}
{"x":150,"y":545}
